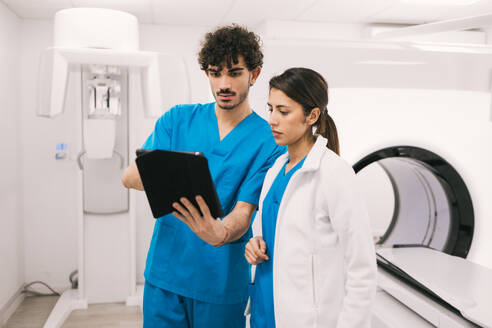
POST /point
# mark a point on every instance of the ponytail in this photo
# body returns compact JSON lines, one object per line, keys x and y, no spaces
{"x":325,"y":126}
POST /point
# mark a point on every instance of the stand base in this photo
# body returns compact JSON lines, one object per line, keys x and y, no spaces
{"x":68,"y":302}
{"x":137,"y":299}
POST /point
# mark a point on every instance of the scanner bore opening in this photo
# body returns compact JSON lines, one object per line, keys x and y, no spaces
{"x":429,"y":202}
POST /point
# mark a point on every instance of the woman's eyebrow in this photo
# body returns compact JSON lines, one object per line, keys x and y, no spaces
{"x":284,"y":106}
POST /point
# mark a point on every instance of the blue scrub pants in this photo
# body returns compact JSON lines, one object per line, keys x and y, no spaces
{"x":165,"y":309}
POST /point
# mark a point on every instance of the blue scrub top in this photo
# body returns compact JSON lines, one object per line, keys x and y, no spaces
{"x":178,"y":260}
{"x":262,"y":310}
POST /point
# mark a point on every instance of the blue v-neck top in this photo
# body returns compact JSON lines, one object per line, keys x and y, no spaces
{"x":178,"y":260}
{"x":262,"y":310}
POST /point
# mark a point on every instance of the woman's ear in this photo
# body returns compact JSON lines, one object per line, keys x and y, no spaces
{"x":313,"y":116}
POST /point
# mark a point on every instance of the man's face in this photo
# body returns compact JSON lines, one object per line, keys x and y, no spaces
{"x":230,"y":85}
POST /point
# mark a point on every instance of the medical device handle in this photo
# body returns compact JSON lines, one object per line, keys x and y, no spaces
{"x":81,"y":166}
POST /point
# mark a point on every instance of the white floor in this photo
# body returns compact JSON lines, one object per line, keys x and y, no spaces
{"x":34,"y":311}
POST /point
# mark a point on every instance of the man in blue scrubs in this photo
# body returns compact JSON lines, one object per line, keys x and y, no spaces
{"x":196,"y":274}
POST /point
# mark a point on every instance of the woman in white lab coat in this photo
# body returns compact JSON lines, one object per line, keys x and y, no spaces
{"x":312,"y":245}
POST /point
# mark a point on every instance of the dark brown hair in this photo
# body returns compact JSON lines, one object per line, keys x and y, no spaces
{"x":226,"y":43}
{"x":310,"y":90}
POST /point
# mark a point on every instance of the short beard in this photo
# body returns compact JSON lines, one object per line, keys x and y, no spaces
{"x":233,"y":106}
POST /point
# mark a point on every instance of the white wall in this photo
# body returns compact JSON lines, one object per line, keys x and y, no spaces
{"x":48,"y":200}
{"x":11,"y":236}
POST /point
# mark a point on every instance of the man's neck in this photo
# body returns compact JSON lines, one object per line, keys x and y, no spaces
{"x":232,"y":117}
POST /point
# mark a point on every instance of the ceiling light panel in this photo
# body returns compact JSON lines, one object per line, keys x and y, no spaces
{"x":30,"y":9}
{"x":440,"y":2}
{"x":419,"y":12}
{"x":475,"y":9}
{"x":255,"y":12}
{"x":140,"y":8}
{"x":190,"y":12}
{"x":344,"y":11}
{"x":389,"y":62}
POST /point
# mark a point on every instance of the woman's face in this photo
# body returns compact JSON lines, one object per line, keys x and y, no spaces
{"x":287,"y":118}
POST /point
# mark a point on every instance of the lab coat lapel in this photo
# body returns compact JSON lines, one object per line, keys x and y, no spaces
{"x":312,"y":163}
{"x":313,"y":159}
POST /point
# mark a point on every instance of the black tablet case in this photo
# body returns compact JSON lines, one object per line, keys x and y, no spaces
{"x":169,"y":175}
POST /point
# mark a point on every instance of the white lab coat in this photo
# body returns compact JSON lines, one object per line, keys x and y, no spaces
{"x":324,"y":265}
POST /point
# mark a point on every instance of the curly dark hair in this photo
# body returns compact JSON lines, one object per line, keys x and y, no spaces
{"x":226,"y":43}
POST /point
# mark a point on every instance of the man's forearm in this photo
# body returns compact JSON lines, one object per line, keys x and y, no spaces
{"x":131,"y":177}
{"x":239,"y":220}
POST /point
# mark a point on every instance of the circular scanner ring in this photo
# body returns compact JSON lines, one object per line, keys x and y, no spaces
{"x":461,"y":226}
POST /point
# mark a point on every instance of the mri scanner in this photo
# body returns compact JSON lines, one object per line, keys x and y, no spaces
{"x":425,"y":170}
{"x":423,"y":163}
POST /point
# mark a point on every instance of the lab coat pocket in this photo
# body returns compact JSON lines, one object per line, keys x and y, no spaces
{"x":313,"y":278}
{"x":329,"y":277}
{"x":314,"y":290}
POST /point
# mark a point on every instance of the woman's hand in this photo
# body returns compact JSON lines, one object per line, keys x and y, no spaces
{"x":255,"y":251}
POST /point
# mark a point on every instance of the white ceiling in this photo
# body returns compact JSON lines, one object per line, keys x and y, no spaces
{"x":253,"y":12}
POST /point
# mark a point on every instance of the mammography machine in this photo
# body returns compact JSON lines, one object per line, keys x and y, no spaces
{"x":96,"y":69}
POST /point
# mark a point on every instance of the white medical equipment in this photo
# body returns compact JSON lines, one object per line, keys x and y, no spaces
{"x":97,"y":68}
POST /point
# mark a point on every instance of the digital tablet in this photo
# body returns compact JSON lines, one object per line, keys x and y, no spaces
{"x":169,"y":175}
